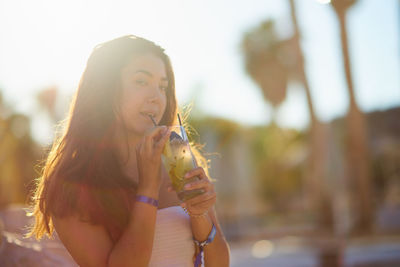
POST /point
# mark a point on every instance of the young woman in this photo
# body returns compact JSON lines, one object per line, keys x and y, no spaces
{"x":104,"y":189}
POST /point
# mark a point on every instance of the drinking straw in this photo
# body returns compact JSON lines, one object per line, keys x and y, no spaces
{"x":152,"y":119}
{"x":179,"y":119}
{"x":183,"y":132}
{"x":186,"y":139}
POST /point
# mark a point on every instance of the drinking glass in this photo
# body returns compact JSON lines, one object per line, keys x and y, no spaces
{"x":178,"y":159}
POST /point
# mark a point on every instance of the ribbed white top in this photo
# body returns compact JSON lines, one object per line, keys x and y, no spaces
{"x":173,"y":240}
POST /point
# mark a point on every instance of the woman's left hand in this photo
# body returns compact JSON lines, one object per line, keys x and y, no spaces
{"x":200,"y":204}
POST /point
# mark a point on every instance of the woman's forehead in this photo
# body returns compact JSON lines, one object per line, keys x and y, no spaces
{"x":147,"y":64}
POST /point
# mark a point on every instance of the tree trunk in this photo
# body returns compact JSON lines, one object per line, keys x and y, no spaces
{"x":357,"y":150}
{"x":315,"y":183}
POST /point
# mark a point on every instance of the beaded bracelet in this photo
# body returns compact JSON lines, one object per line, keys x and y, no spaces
{"x":201,"y":245}
{"x":194,"y":215}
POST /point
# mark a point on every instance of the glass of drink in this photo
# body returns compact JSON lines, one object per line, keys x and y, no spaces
{"x":178,"y":159}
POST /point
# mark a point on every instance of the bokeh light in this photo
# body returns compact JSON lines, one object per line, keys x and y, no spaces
{"x":262,"y":249}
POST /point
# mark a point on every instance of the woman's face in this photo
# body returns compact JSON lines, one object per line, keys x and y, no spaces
{"x":144,"y":83}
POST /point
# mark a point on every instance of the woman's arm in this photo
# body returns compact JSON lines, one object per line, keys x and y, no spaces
{"x":91,"y":245}
{"x":135,"y":245}
{"x":217,"y":252}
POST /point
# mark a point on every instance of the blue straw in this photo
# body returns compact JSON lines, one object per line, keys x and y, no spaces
{"x":184,"y":136}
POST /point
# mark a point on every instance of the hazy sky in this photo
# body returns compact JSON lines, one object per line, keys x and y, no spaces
{"x":44,"y":43}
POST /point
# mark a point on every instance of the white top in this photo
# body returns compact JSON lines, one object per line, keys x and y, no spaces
{"x":173,"y":244}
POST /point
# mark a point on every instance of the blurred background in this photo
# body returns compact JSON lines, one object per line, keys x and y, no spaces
{"x":297,"y":103}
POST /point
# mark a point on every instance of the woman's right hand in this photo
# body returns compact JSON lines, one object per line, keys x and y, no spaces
{"x":148,"y":156}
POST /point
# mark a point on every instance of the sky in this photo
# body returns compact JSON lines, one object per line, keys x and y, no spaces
{"x":47,"y":42}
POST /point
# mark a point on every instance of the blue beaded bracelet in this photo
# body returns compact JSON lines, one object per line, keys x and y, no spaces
{"x":147,"y":200}
{"x":210,"y":238}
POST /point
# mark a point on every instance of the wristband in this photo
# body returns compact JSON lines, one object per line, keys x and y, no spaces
{"x":148,"y":200}
{"x":201,"y":245}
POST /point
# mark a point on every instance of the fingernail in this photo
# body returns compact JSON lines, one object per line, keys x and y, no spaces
{"x":187,"y":186}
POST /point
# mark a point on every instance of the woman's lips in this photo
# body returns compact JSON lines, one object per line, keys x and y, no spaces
{"x":149,"y":115}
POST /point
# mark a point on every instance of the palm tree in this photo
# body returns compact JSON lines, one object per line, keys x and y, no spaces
{"x":318,"y":152}
{"x":357,"y":152}
{"x":261,"y":48}
{"x":271,"y":63}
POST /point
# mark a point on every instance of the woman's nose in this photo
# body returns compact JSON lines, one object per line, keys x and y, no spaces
{"x":154,"y":95}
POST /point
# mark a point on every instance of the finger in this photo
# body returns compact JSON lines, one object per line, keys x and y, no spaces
{"x":201,"y":198}
{"x":201,"y":207}
{"x":152,"y":135}
{"x":156,"y":132}
{"x":205,"y":204}
{"x":161,"y":143}
{"x":198,"y":184}
{"x":199,"y":171}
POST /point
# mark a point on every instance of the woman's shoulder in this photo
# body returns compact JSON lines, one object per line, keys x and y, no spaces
{"x":83,"y":240}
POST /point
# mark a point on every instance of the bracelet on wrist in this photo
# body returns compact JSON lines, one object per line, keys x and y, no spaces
{"x":195,"y":215}
{"x":201,"y":245}
{"x":148,"y":200}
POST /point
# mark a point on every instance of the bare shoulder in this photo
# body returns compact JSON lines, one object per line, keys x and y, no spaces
{"x":88,"y":244}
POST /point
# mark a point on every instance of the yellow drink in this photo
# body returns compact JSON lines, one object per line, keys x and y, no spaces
{"x":178,"y":160}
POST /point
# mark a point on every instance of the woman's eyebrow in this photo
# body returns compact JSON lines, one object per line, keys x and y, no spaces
{"x":148,"y":73}
{"x":145,"y":72}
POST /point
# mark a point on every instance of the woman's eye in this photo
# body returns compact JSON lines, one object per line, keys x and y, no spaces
{"x":141,"y":82}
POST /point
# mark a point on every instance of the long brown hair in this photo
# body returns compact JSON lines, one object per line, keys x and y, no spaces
{"x":82,"y":175}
